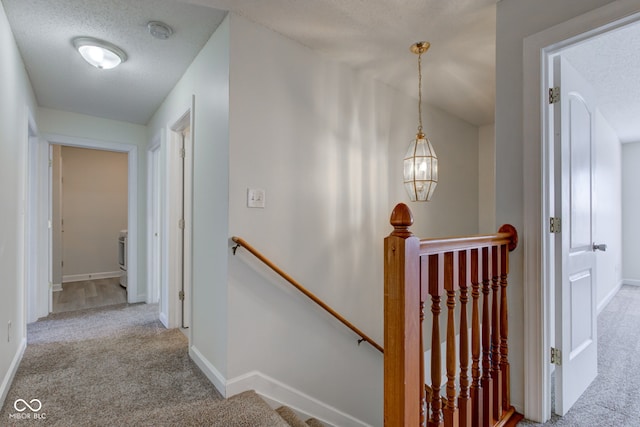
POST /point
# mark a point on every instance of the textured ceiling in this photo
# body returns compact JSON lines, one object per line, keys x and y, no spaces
{"x":132,"y":92}
{"x":611,"y":63}
{"x":373,"y":36}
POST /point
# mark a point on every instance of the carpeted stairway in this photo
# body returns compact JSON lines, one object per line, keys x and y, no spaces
{"x":119,"y":366}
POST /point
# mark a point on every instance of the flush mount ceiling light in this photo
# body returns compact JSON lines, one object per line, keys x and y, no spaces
{"x":99,"y":53}
{"x":159,"y":30}
{"x":420,"y":162}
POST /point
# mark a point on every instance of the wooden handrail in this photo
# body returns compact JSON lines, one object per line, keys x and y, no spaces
{"x":240,"y":242}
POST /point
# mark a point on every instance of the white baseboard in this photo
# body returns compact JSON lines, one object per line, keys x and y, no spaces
{"x":11,"y":373}
{"x":277,"y":394}
{"x":91,"y":276}
{"x":607,"y":299}
{"x":632,"y":282}
{"x":164,"y":320}
{"x":210,"y":371}
{"x":56,"y":287}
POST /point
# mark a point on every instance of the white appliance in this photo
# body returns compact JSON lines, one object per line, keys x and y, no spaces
{"x":122,"y":256}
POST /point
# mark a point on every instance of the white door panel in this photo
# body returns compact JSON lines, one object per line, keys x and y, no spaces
{"x":576,"y":332}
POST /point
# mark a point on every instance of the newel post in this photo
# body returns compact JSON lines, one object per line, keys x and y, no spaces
{"x":402,"y":357}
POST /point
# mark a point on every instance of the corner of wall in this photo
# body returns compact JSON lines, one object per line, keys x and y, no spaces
{"x":11,"y":373}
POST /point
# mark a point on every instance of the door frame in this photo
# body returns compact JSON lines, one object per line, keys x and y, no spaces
{"x":154,"y":220}
{"x":135,"y":293}
{"x":538,"y":52}
{"x":37,"y":255}
{"x":173,"y":267}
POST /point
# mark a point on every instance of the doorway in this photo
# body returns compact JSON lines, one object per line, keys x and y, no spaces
{"x":90,"y":227}
{"x":171,"y":180}
{"x":181,"y":141}
{"x":42,"y":236}
{"x":540,"y":187}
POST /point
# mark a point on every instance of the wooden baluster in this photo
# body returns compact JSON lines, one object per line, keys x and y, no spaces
{"x":424,"y":408}
{"x":435,"y":290}
{"x":504,"y":329}
{"x":402,"y":382}
{"x":450,"y":410}
{"x":425,"y":398}
{"x":495,"y":336}
{"x":487,"y":382}
{"x":476,"y":400}
{"x":464,"y":401}
{"x":504,"y":314}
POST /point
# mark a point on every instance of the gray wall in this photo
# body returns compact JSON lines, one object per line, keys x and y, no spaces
{"x":16,"y":100}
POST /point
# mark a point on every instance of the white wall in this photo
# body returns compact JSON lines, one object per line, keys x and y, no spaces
{"x":631,"y":213}
{"x":208,"y":79}
{"x":608,"y":210}
{"x":94,"y":205}
{"x":487,"y":180}
{"x":517,"y":19}
{"x":16,"y":99}
{"x":326,"y":144}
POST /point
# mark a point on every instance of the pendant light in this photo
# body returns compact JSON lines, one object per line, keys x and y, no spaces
{"x":420,"y":162}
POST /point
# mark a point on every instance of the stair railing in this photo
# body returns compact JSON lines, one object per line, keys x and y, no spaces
{"x":363,"y":337}
{"x":476,"y":391}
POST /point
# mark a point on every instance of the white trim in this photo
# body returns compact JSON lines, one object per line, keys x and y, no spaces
{"x":278,"y":393}
{"x":11,"y":373}
{"x":135,"y":293}
{"x":631,"y":282}
{"x":154,"y":266}
{"x":607,"y":299}
{"x":217,"y":379}
{"x":178,"y":251}
{"x":90,"y":276}
{"x":56,"y":287}
{"x":537,"y":269}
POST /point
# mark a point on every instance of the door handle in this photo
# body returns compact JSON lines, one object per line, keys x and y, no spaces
{"x":601,"y":247}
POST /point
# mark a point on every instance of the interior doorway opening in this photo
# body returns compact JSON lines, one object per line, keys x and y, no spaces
{"x":42,"y":236}
{"x":90,"y":227}
{"x":539,"y":51}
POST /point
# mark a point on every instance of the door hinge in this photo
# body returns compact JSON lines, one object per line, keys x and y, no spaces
{"x":554,"y":95}
{"x":556,"y":356}
{"x":182,"y":153}
{"x":181,"y":224}
{"x":181,"y":295}
{"x":555,"y":225}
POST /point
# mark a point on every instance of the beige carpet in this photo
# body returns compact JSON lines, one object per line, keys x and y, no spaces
{"x":612,"y":398}
{"x":119,"y":366}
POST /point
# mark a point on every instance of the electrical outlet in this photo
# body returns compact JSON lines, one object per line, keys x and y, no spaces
{"x":9,"y":331}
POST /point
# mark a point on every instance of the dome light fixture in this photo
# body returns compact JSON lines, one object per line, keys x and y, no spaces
{"x":420,"y":162}
{"x":99,"y":53}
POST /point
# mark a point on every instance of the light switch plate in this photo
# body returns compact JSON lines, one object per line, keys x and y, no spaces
{"x":255,"y":198}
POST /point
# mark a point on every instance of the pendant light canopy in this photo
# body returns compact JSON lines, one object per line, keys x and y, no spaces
{"x":420,"y":162}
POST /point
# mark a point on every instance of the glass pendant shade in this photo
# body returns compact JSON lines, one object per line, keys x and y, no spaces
{"x":420,"y":170}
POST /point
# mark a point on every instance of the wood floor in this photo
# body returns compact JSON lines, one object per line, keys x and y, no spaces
{"x":89,"y":294}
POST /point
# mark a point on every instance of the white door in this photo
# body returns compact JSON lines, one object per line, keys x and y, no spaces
{"x":575,"y":325}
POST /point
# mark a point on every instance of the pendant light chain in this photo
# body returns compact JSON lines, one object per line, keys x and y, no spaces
{"x":420,"y":93}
